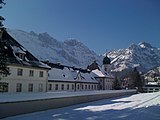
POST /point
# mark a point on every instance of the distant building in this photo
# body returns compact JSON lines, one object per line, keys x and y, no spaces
{"x":102,"y":74}
{"x":151,"y":87}
{"x":152,"y":80}
{"x":28,"y":74}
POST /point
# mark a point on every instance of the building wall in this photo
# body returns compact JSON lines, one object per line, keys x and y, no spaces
{"x":52,"y":86}
{"x":151,"y":89}
{"x":105,"y":83}
{"x":108,"y":84}
{"x":26,"y":81}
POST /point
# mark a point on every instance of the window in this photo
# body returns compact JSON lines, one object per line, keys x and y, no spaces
{"x":72,"y":86}
{"x":50,"y":87}
{"x":62,"y":87}
{"x":19,"y":72}
{"x":85,"y":86}
{"x":92,"y":87}
{"x":88,"y":86}
{"x":78,"y":87}
{"x":31,"y":73}
{"x":30,"y":87}
{"x":41,"y":74}
{"x":19,"y":87}
{"x":82,"y":87}
{"x":56,"y":88}
{"x":67,"y":86}
{"x":21,"y":56}
{"x":3,"y":87}
{"x":40,"y":87}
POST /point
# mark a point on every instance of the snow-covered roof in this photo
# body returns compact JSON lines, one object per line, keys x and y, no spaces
{"x":101,"y":73}
{"x":86,"y":77}
{"x":70,"y":75}
{"x":14,"y":47}
{"x":98,"y":73}
{"x":152,"y":83}
{"x":60,"y":74}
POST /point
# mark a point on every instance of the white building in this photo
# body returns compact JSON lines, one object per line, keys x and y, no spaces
{"x":102,"y":74}
{"x":27,"y":74}
{"x":65,"y":78}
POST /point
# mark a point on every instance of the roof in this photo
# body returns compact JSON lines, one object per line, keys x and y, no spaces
{"x":93,"y":66}
{"x":63,"y":73}
{"x":60,"y":74}
{"x":98,"y":73}
{"x":14,"y":49}
{"x":101,"y":73}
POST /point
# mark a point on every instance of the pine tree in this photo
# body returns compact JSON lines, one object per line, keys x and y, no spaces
{"x":136,"y":79}
{"x":4,"y":71}
{"x":116,"y":84}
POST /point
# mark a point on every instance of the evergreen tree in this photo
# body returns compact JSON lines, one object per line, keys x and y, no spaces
{"x":4,"y":71}
{"x":116,"y":84}
{"x":136,"y":79}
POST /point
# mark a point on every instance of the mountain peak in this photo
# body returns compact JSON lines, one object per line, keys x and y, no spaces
{"x":142,"y":56}
{"x":145,"y":45}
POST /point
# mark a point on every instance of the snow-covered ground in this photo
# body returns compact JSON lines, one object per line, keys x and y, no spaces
{"x":145,"y":106}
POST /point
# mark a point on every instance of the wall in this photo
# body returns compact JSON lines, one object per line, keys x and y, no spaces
{"x":70,"y":86}
{"x":8,"y":108}
{"x":25,"y":79}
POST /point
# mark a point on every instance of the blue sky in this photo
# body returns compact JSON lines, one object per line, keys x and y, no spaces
{"x":100,"y":24}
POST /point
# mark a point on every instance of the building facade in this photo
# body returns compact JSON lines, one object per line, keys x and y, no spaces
{"x":25,"y":79}
{"x":27,"y":74}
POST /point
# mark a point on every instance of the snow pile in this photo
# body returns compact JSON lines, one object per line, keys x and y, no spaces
{"x":136,"y":107}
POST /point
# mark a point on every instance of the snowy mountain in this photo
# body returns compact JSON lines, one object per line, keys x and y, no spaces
{"x":143,"y":56}
{"x":74,"y":53}
{"x":44,"y":47}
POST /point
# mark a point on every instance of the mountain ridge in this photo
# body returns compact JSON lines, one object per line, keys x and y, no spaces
{"x":72,"y":52}
{"x":143,"y":56}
